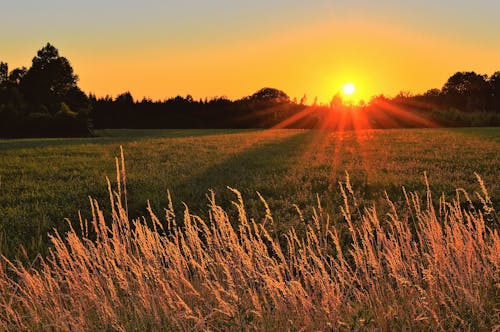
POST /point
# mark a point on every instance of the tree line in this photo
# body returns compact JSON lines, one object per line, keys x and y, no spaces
{"x":45,"y":100}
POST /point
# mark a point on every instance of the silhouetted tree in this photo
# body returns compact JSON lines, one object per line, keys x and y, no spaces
{"x":4,"y":72}
{"x":270,"y":95}
{"x":495,"y":90}
{"x":76,"y":100}
{"x":10,"y":96}
{"x":378,"y":100}
{"x":432,"y":93}
{"x":467,"y":91}
{"x":303,"y":100}
{"x":49,"y":79}
{"x":125,"y":98}
{"x":17,"y":75}
{"x":432,"y":98}
{"x":44,"y":100}
{"x":336,"y":101}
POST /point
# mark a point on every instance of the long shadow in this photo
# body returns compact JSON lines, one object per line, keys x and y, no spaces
{"x":113,"y":136}
{"x":254,"y":169}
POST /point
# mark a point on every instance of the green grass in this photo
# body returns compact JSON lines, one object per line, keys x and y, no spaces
{"x":44,"y":181}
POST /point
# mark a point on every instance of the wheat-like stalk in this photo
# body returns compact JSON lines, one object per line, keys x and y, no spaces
{"x":419,"y":268}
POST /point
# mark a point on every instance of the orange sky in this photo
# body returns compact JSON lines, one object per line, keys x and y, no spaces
{"x":300,"y":50}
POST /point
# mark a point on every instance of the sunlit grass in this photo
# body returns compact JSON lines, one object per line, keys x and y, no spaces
{"x":421,"y":266}
{"x":45,"y":181}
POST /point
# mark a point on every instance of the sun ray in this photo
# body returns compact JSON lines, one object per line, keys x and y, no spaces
{"x":406,"y":115}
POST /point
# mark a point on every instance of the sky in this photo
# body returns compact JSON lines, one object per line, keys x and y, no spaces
{"x":159,"y":49}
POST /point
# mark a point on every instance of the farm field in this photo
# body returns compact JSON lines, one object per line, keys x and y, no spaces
{"x":44,"y":181}
{"x":340,"y":171}
{"x":325,"y":250}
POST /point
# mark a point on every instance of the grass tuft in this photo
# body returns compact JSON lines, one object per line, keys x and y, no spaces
{"x":419,"y":267}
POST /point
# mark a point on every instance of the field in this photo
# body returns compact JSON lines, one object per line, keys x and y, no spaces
{"x":319,"y":235}
{"x":43,"y":181}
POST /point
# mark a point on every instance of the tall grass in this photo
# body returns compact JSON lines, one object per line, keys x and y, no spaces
{"x":419,"y":267}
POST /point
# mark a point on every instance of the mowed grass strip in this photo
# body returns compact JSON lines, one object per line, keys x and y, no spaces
{"x":44,"y":181}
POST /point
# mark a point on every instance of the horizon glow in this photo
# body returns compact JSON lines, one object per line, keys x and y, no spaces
{"x":159,"y":49}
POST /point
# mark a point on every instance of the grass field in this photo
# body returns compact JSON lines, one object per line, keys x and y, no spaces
{"x":346,"y":259}
{"x":44,"y":181}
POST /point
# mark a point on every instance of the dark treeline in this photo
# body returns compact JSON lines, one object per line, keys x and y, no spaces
{"x":45,"y":100}
{"x":266,"y":108}
{"x":466,"y":99}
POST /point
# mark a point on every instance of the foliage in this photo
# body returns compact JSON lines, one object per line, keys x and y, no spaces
{"x":4,"y":72}
{"x":419,"y":267}
{"x":50,"y":81}
{"x":476,"y":99}
{"x":43,"y":181}
{"x":269,"y":96}
{"x":31,"y":99}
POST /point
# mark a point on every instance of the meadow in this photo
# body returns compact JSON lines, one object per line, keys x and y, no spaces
{"x":44,"y":181}
{"x":321,"y":235}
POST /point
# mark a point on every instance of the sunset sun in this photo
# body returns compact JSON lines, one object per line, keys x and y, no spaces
{"x":275,"y":165}
{"x":349,"y":89}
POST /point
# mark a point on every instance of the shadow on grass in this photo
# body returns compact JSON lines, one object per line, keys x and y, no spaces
{"x":113,"y":136}
{"x":257,"y":168}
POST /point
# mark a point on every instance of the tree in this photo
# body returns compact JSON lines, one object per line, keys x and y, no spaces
{"x":44,"y":100}
{"x":303,"y":100}
{"x":467,"y":90}
{"x":49,"y":79}
{"x":462,"y":83}
{"x":432,"y":93}
{"x":125,"y":98}
{"x":10,"y":96}
{"x":17,"y":75}
{"x":336,"y":101}
{"x":432,"y":98}
{"x":495,"y":90}
{"x":270,"y":95}
{"x":378,"y":101}
{"x":77,"y":100}
{"x":4,"y":72}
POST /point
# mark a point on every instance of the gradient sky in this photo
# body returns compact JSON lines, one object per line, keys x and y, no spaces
{"x":159,"y":49}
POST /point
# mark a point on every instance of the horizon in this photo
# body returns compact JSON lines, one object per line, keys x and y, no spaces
{"x":160,"y":50}
{"x":267,"y":165}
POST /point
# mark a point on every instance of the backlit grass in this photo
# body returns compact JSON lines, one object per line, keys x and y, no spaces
{"x":44,"y":181}
{"x":419,"y":267}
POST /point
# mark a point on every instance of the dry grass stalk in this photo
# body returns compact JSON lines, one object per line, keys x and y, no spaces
{"x":415,"y":269}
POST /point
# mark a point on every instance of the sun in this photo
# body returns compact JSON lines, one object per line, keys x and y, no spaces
{"x":349,"y":89}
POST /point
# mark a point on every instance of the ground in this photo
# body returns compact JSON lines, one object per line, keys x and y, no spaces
{"x":43,"y":181}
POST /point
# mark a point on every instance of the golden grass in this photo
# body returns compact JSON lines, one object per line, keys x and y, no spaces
{"x":423,"y":267}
